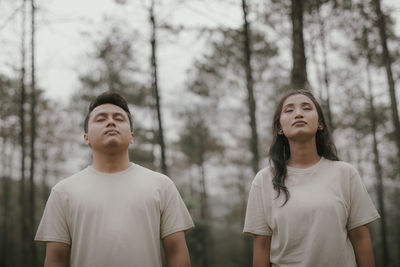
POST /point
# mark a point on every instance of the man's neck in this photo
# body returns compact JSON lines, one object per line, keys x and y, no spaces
{"x":110,"y":162}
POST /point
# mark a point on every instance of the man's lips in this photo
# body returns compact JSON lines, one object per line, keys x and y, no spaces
{"x":111,"y":131}
{"x":298,"y":122}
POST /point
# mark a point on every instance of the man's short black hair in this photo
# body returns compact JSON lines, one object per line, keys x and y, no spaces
{"x":108,"y":98}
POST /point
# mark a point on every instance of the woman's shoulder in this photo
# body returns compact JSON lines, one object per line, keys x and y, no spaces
{"x":263,"y":176}
{"x":341,"y":166}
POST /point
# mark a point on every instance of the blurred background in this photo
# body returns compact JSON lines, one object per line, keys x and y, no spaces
{"x":202,"y":78}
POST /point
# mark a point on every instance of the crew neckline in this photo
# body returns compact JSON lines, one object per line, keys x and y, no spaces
{"x":91,"y":168}
{"x":305,"y":170}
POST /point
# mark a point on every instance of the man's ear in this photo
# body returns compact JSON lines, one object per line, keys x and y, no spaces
{"x":86,"y":139}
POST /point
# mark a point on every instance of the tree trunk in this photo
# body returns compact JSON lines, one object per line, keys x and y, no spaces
{"x":155,"y":88}
{"x":204,"y":214}
{"x":377,"y":165}
{"x":22,"y":201}
{"x":299,"y":71}
{"x":5,"y":205}
{"x":32,"y":224}
{"x":250,"y":90}
{"x":317,"y":69}
{"x":388,"y":66}
{"x":247,"y":240}
{"x":326,"y":69}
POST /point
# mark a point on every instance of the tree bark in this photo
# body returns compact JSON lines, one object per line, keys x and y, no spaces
{"x":204,"y":214}
{"x":250,"y":90}
{"x":22,"y":201}
{"x":32,"y":224}
{"x":326,"y":69}
{"x":155,"y":88}
{"x":299,"y":71}
{"x":377,"y":165}
{"x":5,"y":204}
{"x":388,"y":66}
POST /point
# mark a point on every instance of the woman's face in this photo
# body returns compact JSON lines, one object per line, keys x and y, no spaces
{"x":299,"y":118}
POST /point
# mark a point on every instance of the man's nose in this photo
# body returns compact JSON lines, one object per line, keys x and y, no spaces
{"x":110,"y":122}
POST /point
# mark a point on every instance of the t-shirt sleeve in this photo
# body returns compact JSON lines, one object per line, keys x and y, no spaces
{"x":53,"y":225}
{"x":255,"y":220}
{"x":361,"y":209}
{"x":174,"y":215}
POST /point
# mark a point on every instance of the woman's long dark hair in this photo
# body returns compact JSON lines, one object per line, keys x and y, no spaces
{"x":279,"y":151}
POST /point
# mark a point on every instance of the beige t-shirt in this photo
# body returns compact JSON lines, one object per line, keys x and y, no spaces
{"x":114,"y":219}
{"x":311,"y":229}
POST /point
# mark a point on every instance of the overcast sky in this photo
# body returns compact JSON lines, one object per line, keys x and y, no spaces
{"x":66,"y":31}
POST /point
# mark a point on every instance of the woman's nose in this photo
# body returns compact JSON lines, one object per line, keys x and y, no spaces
{"x":298,"y":113}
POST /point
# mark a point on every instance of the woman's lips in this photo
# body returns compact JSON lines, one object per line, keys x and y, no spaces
{"x":299,"y":122}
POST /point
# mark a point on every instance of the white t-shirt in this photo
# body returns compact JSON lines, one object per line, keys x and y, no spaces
{"x":114,"y":219}
{"x":326,"y":201}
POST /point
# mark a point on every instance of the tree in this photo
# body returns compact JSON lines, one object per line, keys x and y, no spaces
{"x":250,"y":89}
{"x":197,"y":144}
{"x":299,"y":70}
{"x":155,"y":88}
{"x":387,"y":60}
{"x":22,"y":199}
{"x":116,"y":68}
{"x":377,"y":164}
{"x":32,"y":207}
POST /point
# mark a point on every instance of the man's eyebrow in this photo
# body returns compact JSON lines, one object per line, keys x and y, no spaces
{"x":106,"y":114}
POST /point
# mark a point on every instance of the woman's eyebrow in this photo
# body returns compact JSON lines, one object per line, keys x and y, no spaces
{"x":288,"y":105}
{"x":307,"y":104}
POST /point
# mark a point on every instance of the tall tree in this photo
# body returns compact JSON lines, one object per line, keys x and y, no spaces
{"x":377,"y":164}
{"x":387,"y":60}
{"x":197,"y":144}
{"x":114,"y":67}
{"x":32,"y":222}
{"x":155,"y":87}
{"x":9,"y":128}
{"x":299,"y":70}
{"x":22,"y":198}
{"x":326,"y":79}
{"x":250,"y":89}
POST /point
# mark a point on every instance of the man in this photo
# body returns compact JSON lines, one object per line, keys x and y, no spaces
{"x":114,"y":212}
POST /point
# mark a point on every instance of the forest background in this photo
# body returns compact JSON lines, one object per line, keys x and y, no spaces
{"x":203,"y":78}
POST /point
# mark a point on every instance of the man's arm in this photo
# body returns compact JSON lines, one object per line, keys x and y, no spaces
{"x":261,"y":250}
{"x":361,"y":241}
{"x":57,"y":254}
{"x":176,"y":252}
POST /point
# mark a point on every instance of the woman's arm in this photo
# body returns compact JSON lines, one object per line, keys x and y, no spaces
{"x":261,"y":249}
{"x":361,"y":241}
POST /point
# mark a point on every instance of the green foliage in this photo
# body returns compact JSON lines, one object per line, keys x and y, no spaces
{"x":196,"y":140}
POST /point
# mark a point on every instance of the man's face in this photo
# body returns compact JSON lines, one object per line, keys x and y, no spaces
{"x":108,"y":128}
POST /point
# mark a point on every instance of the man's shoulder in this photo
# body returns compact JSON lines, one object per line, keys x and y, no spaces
{"x":147,"y":173}
{"x":71,"y":180}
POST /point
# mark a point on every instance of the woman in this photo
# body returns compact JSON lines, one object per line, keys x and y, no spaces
{"x":308,"y":208}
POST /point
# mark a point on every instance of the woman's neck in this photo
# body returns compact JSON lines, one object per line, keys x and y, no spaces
{"x":303,"y":154}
